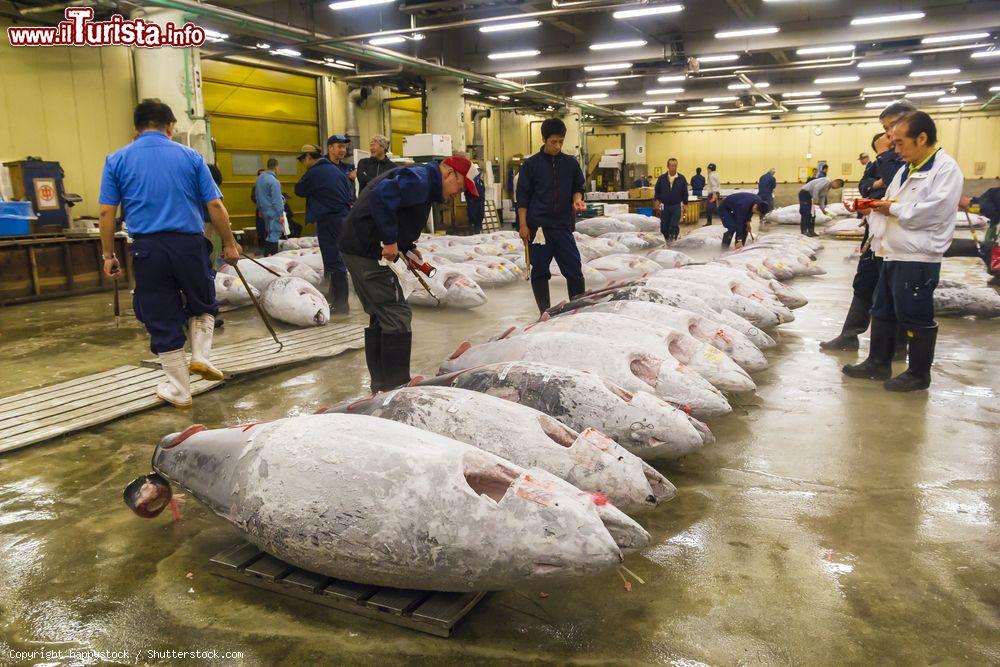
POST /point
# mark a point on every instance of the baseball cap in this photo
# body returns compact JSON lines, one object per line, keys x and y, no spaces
{"x":309,"y":148}
{"x":338,"y":139}
{"x":467,"y":168}
{"x":863,"y":155}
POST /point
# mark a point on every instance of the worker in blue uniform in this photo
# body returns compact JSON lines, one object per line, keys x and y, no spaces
{"x":386,"y":222}
{"x":270,"y":203}
{"x":328,"y":196}
{"x":476,"y":206}
{"x":766,"y":186}
{"x":670,"y":195}
{"x":697,"y":183}
{"x":549,"y":195}
{"x":164,"y":186}
{"x":736,"y":210}
{"x":336,"y":153}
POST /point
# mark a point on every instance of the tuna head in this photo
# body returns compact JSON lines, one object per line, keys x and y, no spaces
{"x":461,"y":292}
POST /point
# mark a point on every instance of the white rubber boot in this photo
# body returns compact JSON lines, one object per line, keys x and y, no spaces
{"x":177,"y":389}
{"x":202,"y":328}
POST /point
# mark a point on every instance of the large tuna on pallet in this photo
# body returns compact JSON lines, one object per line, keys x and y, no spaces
{"x":373,"y":501}
{"x":590,"y":460}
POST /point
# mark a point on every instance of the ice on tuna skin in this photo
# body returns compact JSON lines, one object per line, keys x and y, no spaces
{"x":741,"y":287}
{"x":745,"y":308}
{"x":631,"y":367}
{"x":373,"y":501}
{"x":644,"y":424}
{"x":589,"y":460}
{"x":709,"y":362}
{"x":295,"y":301}
{"x":256,"y":275}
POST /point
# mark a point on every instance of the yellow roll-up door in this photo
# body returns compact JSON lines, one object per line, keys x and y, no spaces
{"x":257,"y":114}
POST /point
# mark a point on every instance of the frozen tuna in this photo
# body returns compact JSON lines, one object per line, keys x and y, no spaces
{"x":377,"y":502}
{"x":230,"y":292}
{"x":295,"y":301}
{"x":961,"y":300}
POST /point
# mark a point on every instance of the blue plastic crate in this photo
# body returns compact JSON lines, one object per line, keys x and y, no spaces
{"x":20,"y":209}
{"x":14,"y":225}
{"x":645,"y":210}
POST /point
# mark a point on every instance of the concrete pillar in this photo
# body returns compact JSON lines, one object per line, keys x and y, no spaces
{"x":174,"y":77}
{"x":446,"y":109}
{"x":573,"y":117}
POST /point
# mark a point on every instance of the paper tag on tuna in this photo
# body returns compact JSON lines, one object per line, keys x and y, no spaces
{"x":535,"y":491}
{"x":596,"y":438}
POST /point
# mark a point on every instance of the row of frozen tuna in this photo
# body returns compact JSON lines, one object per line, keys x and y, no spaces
{"x":286,"y":284}
{"x":519,"y":464}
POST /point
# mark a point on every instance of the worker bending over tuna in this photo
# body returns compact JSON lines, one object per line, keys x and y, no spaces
{"x":736,"y":211}
{"x":163,"y":186}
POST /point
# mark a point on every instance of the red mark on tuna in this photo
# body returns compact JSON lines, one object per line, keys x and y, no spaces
{"x":599,"y":499}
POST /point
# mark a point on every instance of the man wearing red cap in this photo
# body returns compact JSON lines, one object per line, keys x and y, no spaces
{"x":386,"y":221}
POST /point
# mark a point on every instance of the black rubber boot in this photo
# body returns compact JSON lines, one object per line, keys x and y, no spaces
{"x":902,"y":343}
{"x":574,"y":288}
{"x":339,"y":291}
{"x":878,"y":365}
{"x":373,"y":357}
{"x":918,"y":375}
{"x":856,"y":322}
{"x":540,"y":288}
{"x":396,"y":358}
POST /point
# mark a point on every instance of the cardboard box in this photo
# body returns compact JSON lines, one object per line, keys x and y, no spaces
{"x":640,"y":193}
{"x":427,"y":145}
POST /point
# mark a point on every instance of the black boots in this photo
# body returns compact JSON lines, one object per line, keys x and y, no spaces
{"x":373,"y":357}
{"x":338,"y":293}
{"x":856,"y":323}
{"x":918,"y":375}
{"x":902,"y":343}
{"x":878,"y":365}
{"x":575,"y":287}
{"x":396,"y":358}
{"x":540,"y":288}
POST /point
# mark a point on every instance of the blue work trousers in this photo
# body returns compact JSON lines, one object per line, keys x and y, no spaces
{"x":905,"y":293}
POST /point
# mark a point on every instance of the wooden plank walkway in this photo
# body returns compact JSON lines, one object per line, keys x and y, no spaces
{"x":49,"y":412}
{"x":426,"y":611}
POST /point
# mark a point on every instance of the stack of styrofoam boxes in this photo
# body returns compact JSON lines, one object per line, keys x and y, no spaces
{"x":6,"y":187}
{"x":615,"y":209}
{"x":507,"y":211}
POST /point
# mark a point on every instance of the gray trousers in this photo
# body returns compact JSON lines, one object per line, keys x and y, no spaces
{"x":380,"y":294}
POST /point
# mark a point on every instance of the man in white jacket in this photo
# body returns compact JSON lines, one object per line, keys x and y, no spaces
{"x":911,"y":230}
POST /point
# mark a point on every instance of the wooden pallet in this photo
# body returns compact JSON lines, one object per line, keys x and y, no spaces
{"x":58,"y":409}
{"x":300,"y":345}
{"x":426,"y":611}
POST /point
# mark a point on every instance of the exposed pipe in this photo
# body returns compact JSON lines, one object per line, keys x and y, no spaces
{"x":478,"y":151}
{"x":274,"y":29}
{"x":354,"y":99}
{"x":375,"y":74}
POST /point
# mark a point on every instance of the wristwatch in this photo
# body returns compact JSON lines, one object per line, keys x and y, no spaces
{"x":107,"y":257}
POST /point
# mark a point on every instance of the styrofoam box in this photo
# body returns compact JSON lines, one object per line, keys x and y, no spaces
{"x":435,"y":145}
{"x":615,"y":209}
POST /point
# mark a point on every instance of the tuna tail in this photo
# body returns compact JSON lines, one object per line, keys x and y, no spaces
{"x":148,"y":495}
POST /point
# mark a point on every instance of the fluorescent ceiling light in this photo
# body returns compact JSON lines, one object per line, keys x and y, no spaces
{"x":287,"y":52}
{"x":811,"y":100}
{"x":986,"y":54}
{"x":665,"y":91}
{"x":627,"y":44}
{"x":470,"y":91}
{"x":746,"y":32}
{"x":965,"y":37}
{"x":671,"y":77}
{"x":262,"y":45}
{"x":957,"y":98}
{"x":601,"y":84}
{"x":867,"y":64}
{"x":337,"y":61}
{"x":590,"y":96}
{"x":820,"y":50}
{"x":643,"y":111}
{"x":725,"y":58}
{"x":515,"y":25}
{"x":215,"y":34}
{"x":390,"y":39}
{"x":607,"y":67}
{"x":995,"y":89}
{"x":804,"y":93}
{"x":704,"y":107}
{"x":762,"y":104}
{"x":657,"y":103}
{"x":887,"y":18}
{"x":877,"y":105}
{"x":895,"y":94}
{"x":848,"y":78}
{"x":647,"y":11}
{"x":518,"y":75}
{"x":504,"y":98}
{"x":738,"y":86}
{"x":724,"y":98}
{"x":926,"y":93}
{"x":935,"y":72}
{"x":351,"y":4}
{"x":960,"y":83}
{"x":416,"y":37}
{"x":767,"y":111}
{"x":507,"y":55}
{"x":881,"y":89}
{"x":814,"y":107}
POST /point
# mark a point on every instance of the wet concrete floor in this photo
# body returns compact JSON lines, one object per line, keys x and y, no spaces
{"x":832,"y":522}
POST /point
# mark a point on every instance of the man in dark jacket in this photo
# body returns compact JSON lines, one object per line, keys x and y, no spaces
{"x":671,"y":194}
{"x":736,"y":211}
{"x":549,"y":195}
{"x":476,"y":206}
{"x":370,"y":167}
{"x":697,"y":183}
{"x":386,"y":221}
{"x":328,"y":196}
{"x":336,"y":153}
{"x":869,"y":265}
{"x":765,"y":188}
